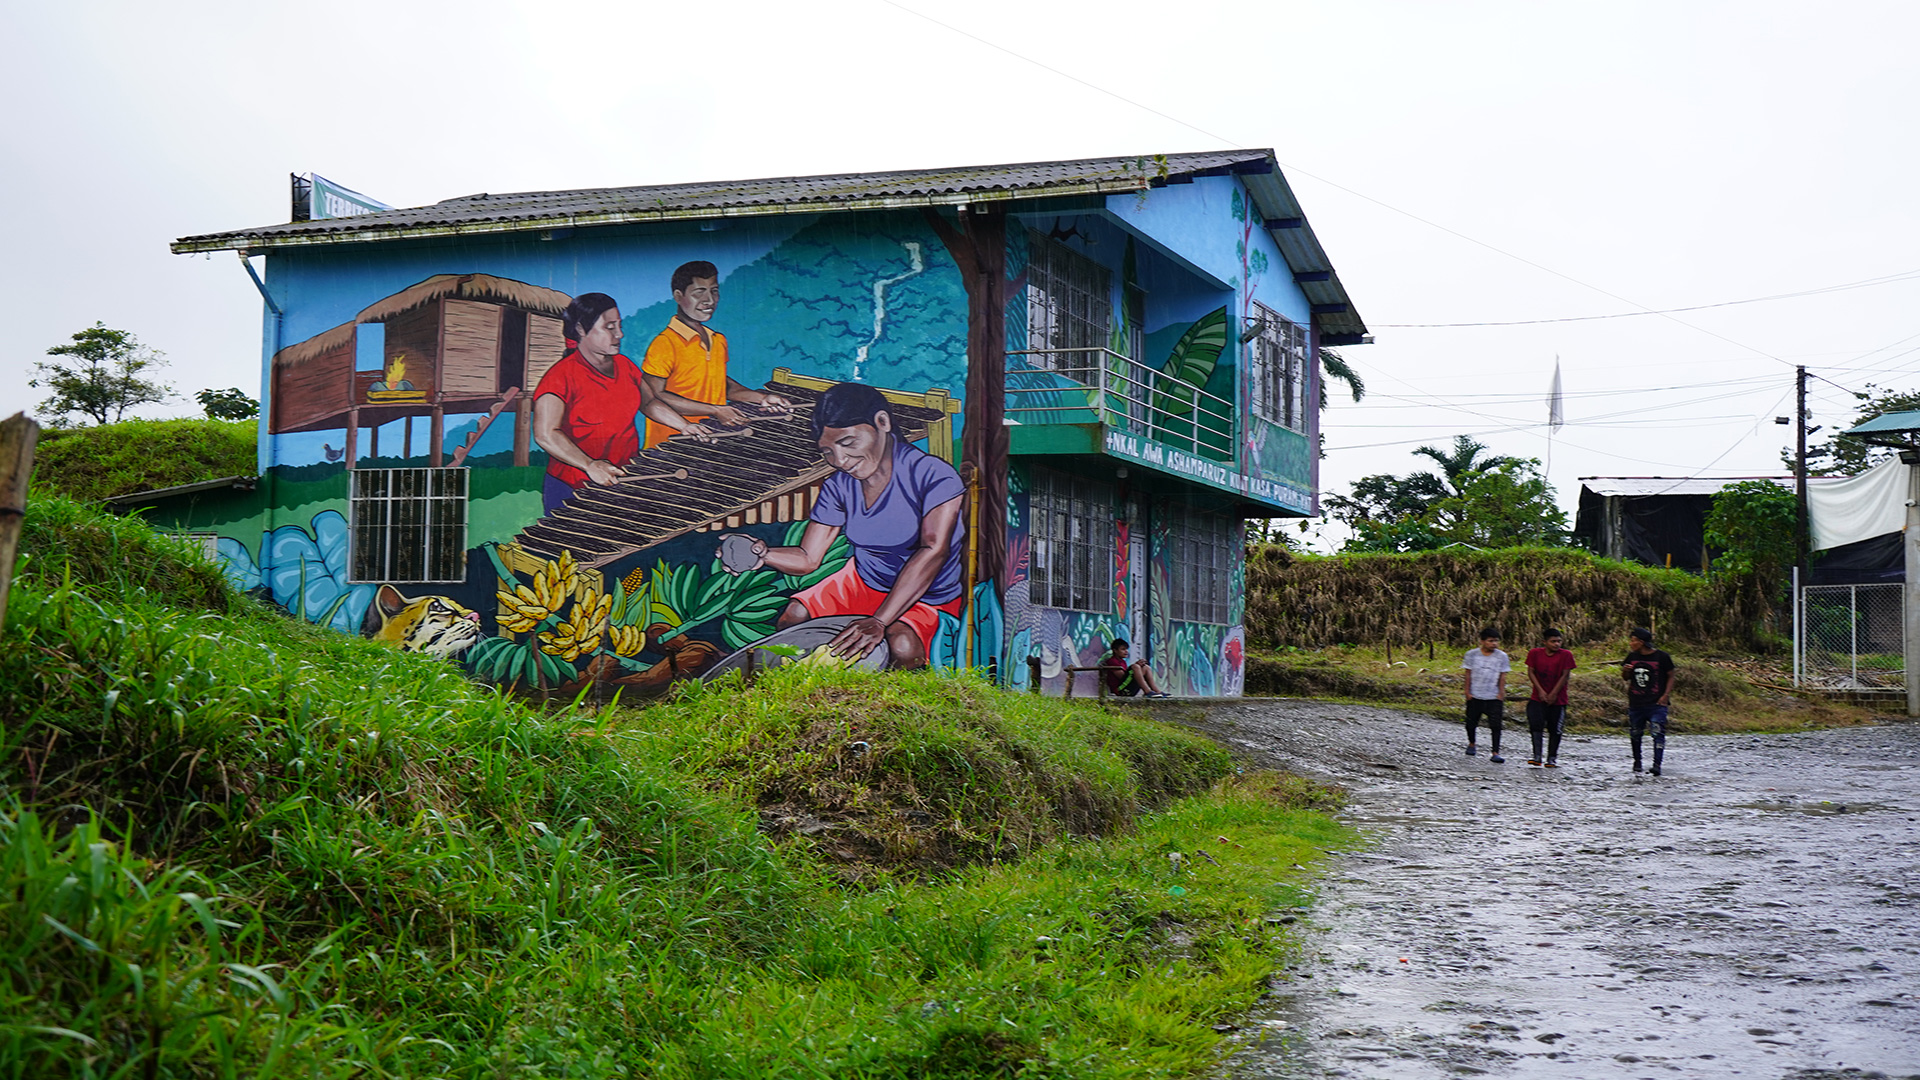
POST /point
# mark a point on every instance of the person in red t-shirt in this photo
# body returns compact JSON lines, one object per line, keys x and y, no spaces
{"x":1549,"y":667}
{"x":1126,"y":679}
{"x":586,"y":406}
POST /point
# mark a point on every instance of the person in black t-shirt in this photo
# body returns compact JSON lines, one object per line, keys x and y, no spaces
{"x":1649,"y":676}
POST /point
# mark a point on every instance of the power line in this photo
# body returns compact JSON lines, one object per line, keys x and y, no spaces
{"x":1071,"y":78}
{"x":1905,"y":275}
{"x":1289,"y":167}
{"x":1415,"y":402}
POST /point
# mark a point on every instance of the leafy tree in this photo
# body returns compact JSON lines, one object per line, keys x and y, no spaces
{"x":1476,"y":498}
{"x":1506,"y":505}
{"x":1384,"y":497}
{"x":101,"y":376}
{"x":1844,"y":455}
{"x":229,"y":404}
{"x":1753,"y":523}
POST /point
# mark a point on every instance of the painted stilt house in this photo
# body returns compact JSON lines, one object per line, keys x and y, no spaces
{"x":964,"y":417}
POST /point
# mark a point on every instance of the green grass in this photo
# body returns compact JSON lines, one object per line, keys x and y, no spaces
{"x":924,"y":771}
{"x":64,"y":540}
{"x":96,"y":463}
{"x":236,"y":845}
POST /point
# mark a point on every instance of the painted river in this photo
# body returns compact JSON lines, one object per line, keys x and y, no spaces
{"x":1754,"y":912}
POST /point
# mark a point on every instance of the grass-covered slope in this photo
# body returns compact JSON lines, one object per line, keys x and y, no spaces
{"x":1445,"y":597}
{"x":236,"y":845}
{"x":95,"y":463}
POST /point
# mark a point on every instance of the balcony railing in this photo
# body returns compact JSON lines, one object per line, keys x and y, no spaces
{"x":1099,"y":386}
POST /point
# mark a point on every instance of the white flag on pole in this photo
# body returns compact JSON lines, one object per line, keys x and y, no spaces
{"x":1556,"y":414}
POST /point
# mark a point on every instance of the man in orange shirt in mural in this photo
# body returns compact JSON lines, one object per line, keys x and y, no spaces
{"x":686,"y":366}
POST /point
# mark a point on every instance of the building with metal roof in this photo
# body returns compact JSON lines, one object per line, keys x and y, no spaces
{"x":974,"y":414}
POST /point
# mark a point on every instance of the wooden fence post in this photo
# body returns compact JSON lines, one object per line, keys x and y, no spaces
{"x":17,"y":438}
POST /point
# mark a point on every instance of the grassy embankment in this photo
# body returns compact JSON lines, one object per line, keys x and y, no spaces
{"x":1389,"y":629}
{"x":99,"y":462}
{"x":236,"y":845}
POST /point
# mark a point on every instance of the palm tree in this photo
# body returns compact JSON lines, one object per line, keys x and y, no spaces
{"x":1464,"y":461}
{"x":1336,"y":367}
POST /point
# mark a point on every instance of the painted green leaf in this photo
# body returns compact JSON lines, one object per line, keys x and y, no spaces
{"x":1193,"y":359}
{"x":740,"y":635}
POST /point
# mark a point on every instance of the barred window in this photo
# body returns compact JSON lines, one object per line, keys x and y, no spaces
{"x":409,"y":525}
{"x":1281,"y":370}
{"x":1069,"y":304}
{"x":1070,"y":528}
{"x":1202,"y":564}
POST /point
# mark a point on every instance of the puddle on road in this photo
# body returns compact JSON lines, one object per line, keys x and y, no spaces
{"x":1727,"y":919}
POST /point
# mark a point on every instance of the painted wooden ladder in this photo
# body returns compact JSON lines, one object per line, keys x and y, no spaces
{"x":473,"y":437}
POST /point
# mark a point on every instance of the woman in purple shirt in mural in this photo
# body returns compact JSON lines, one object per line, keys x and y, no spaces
{"x":899,"y":507}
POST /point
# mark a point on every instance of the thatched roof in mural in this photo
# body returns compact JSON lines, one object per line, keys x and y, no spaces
{"x":483,"y":287}
{"x":316,"y":346}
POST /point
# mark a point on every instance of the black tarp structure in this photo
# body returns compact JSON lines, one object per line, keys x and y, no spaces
{"x":1878,"y":560}
{"x":1655,"y":527}
{"x":1649,"y":519}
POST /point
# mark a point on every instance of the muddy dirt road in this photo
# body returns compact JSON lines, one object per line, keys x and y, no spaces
{"x":1754,"y":912}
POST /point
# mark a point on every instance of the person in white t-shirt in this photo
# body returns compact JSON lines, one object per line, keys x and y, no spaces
{"x":1486,"y":688}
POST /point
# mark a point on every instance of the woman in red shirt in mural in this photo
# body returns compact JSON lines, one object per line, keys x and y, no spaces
{"x":586,"y":407}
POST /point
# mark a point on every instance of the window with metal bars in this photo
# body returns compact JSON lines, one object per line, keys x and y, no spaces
{"x":1069,"y":305}
{"x":1201,"y":561}
{"x":409,"y":525}
{"x":1281,"y":370}
{"x":1070,"y":530}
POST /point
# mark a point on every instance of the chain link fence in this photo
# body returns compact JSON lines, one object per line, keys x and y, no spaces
{"x":1850,"y":638}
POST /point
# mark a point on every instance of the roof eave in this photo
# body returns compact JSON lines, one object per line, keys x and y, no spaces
{"x":225,"y":483}
{"x":257,"y":244}
{"x":1313,"y":272}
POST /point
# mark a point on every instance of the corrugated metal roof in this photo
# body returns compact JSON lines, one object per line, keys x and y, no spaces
{"x":547,"y":210}
{"x":1888,"y":423}
{"x":120,"y":503}
{"x":1681,"y":485}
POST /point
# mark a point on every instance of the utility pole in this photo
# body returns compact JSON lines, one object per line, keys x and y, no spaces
{"x":1800,"y":474}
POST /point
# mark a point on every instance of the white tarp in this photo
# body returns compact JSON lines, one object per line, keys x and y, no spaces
{"x":1859,"y":507}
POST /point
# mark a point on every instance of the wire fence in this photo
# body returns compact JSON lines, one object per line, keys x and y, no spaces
{"x":1851,"y":638}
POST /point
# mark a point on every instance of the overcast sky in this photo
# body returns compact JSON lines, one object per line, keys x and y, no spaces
{"x":1461,"y":163}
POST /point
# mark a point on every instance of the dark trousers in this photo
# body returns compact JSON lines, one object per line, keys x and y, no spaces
{"x":1548,"y":720}
{"x":555,"y":493}
{"x":1642,"y":719}
{"x":1493,"y":711}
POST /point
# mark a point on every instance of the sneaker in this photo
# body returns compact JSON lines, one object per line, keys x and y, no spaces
{"x":1158,"y":693}
{"x":1636,"y":766}
{"x":1472,"y":749}
{"x":1533,"y":761}
{"x":1496,"y":759}
{"x":1655,"y":770}
{"x":1552,"y":764}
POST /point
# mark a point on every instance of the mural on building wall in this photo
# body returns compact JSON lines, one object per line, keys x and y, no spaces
{"x":689,"y":460}
{"x":638,"y":515}
{"x":1266,"y":448}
